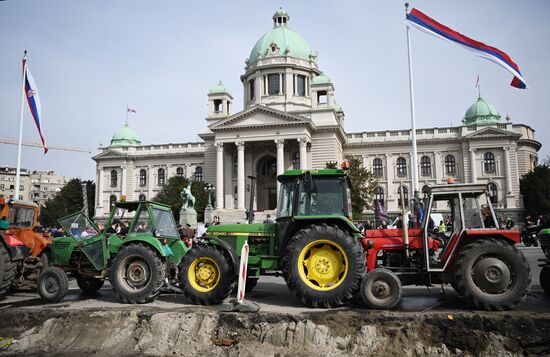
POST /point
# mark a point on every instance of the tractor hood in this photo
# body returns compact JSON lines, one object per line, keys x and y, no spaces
{"x":254,"y":229}
{"x":392,"y":233}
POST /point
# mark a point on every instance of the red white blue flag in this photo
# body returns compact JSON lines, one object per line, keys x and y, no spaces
{"x":426,"y":24}
{"x":33,"y":98}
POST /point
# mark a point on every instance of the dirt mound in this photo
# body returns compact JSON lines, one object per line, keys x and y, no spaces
{"x":133,"y":331}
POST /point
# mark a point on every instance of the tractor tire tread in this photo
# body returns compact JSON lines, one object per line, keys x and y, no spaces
{"x":8,"y":270}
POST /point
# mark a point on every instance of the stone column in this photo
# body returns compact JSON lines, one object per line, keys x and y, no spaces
{"x":219,"y":176}
{"x":240,"y":175}
{"x":280,"y":160}
{"x":149,"y":182}
{"x":473,"y":174}
{"x":303,"y":153}
{"x":438,"y":166}
{"x":508,"y":170}
{"x":123,"y":182}
{"x":365,"y":161}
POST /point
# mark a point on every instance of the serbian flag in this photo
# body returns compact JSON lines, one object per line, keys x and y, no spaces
{"x":427,"y":24}
{"x":33,"y":98}
{"x":380,"y":212}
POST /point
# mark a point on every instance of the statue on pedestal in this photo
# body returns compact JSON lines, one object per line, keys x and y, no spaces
{"x":188,"y":199}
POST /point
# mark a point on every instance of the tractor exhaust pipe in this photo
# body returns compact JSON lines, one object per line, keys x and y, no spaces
{"x":250,"y":211}
{"x":404,"y":221}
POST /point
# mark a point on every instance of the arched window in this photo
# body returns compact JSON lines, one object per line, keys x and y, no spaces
{"x":269,"y":167}
{"x":179,"y":172}
{"x":493,"y":192}
{"x":425,"y":166}
{"x":142,"y":197}
{"x":161,"y":178}
{"x":379,"y":195}
{"x":450,"y":165}
{"x":377,"y":168}
{"x":405,"y":195}
{"x":112,"y":201}
{"x":489,"y":162}
{"x":401,"y":167}
{"x":425,"y":190}
{"x":296,"y":160}
{"x":114,"y":178}
{"x":142,"y":177}
{"x":198,"y":174}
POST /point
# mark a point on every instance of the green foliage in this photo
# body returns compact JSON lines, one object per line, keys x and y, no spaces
{"x":535,"y":188}
{"x":363,"y":185}
{"x":68,"y":200}
{"x":331,"y":165}
{"x":170,"y":195}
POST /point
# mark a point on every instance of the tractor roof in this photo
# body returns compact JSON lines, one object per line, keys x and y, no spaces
{"x":469,"y":189}
{"x":133,"y":205}
{"x":320,"y":172}
{"x":3,"y":201}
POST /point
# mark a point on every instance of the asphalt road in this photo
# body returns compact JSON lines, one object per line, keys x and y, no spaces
{"x":272,"y":295}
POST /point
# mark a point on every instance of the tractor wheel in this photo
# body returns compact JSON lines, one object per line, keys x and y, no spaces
{"x":455,"y":287}
{"x":89,"y":285}
{"x":545,"y":279}
{"x":53,"y":284}
{"x":323,"y":266}
{"x":137,"y":274}
{"x":492,"y":274}
{"x":381,"y":289}
{"x":206,"y":277}
{"x":8,"y":270}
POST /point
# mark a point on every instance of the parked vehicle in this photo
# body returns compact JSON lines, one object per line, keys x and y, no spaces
{"x":529,"y":235}
{"x":138,"y":260}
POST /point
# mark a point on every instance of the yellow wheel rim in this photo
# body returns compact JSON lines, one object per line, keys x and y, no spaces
{"x":322,"y":265}
{"x":203,"y":274}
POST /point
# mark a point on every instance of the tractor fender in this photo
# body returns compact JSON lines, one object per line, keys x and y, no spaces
{"x":235,"y":260}
{"x":16,"y":248}
{"x":153,"y":242}
{"x":341,"y":221}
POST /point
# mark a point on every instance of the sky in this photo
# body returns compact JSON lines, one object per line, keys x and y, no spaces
{"x":92,"y":58}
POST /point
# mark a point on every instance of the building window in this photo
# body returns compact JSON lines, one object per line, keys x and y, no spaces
{"x":489,"y":163}
{"x":296,"y":160}
{"x":161,"y":178}
{"x":114,"y":178}
{"x":179,"y":172}
{"x":142,"y":197}
{"x":401,"y":167}
{"x":405,"y":195}
{"x":269,"y":167}
{"x":112,"y":201}
{"x":251,"y":89}
{"x":322,"y":97}
{"x":218,"y":105}
{"x":377,"y":168}
{"x":273,"y":84}
{"x":425,"y":190}
{"x":301,"y":85}
{"x":198,"y":174}
{"x":425,"y":166}
{"x":142,"y":177}
{"x":493,"y":192}
{"x":379,"y":195}
{"x":450,"y":165}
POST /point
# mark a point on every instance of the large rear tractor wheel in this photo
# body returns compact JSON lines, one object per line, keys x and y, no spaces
{"x":323,"y":266}
{"x":137,"y":274}
{"x":89,"y":285}
{"x":206,"y":276}
{"x":53,"y":284}
{"x":492,"y":274}
{"x":381,"y":289}
{"x":545,"y":279}
{"x":8,"y":270}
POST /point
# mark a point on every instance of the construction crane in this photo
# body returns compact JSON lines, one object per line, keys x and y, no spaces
{"x":12,"y":141}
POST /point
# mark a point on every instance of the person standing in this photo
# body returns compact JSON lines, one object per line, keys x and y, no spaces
{"x":4,"y":223}
{"x":268,"y":219}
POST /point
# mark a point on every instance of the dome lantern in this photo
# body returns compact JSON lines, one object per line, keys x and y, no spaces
{"x":280,"y":18}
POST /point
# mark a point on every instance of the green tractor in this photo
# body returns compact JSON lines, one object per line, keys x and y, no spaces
{"x":137,"y":259}
{"x":313,"y":243}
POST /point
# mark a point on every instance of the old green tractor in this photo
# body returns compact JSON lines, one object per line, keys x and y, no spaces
{"x":138,"y":252}
{"x":313,"y":244}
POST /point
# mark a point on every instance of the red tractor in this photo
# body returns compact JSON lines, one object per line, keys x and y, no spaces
{"x":477,"y":258}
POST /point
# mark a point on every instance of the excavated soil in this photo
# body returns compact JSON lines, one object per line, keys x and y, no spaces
{"x":160,"y":332}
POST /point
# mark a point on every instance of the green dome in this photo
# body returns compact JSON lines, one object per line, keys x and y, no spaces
{"x":288,"y":41}
{"x":218,"y":88}
{"x":321,"y":79}
{"x":125,"y":136}
{"x":481,"y":112}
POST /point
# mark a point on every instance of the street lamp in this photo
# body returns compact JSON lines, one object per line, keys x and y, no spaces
{"x":209,"y":188}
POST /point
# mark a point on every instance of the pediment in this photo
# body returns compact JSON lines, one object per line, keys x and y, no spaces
{"x":491,"y":132}
{"x":259,"y":116}
{"x":109,"y":154}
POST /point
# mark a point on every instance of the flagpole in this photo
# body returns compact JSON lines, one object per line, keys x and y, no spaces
{"x":127,"y":114}
{"x":18,"y":172}
{"x":413,"y":119}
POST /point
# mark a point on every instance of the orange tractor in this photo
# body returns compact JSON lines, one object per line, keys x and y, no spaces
{"x":23,"y":252}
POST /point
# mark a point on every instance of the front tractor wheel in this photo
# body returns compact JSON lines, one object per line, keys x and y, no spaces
{"x":492,"y":274}
{"x":53,"y":284}
{"x":381,"y":289}
{"x":206,"y":276}
{"x":323,"y":266}
{"x":137,"y":274}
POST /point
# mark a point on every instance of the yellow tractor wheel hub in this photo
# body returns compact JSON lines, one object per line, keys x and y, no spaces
{"x":322,"y":265}
{"x":203,"y":274}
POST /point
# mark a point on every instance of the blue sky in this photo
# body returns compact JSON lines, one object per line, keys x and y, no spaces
{"x":91,"y":58}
